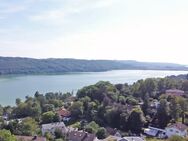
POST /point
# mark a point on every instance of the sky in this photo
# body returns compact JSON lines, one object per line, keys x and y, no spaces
{"x":143,"y":30}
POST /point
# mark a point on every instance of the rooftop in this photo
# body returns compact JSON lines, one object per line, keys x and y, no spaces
{"x":81,"y":136}
{"x":64,"y":113}
{"x":134,"y":139}
{"x":174,"y":91}
{"x":53,"y":125}
{"x":179,"y":126}
{"x":30,"y":138}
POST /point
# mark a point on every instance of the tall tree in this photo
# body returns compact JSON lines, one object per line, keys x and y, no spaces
{"x":163,"y":112}
{"x":136,"y":120}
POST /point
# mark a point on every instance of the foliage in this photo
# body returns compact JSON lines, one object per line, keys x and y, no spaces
{"x":101,"y":133}
{"x":125,"y":107}
{"x":92,"y":127}
{"x":49,"y":117}
{"x":6,"y":135}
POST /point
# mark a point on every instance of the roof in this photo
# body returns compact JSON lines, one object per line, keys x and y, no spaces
{"x":179,"y":126}
{"x":30,"y":138}
{"x":174,"y":92}
{"x":81,"y":136}
{"x":53,"y":125}
{"x":134,"y":139}
{"x":110,"y":130}
{"x":64,"y":113}
{"x":115,"y":138}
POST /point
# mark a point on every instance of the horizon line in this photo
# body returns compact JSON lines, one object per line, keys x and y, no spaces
{"x":45,"y":58}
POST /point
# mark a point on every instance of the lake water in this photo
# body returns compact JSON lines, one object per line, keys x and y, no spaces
{"x":12,"y":87}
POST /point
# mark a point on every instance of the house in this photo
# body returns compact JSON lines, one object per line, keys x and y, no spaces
{"x":81,"y":136}
{"x":132,"y":138}
{"x":176,"y":129}
{"x":113,"y":138}
{"x":174,"y":92}
{"x":51,"y":127}
{"x":64,"y":114}
{"x":30,"y":138}
{"x":155,"y":132}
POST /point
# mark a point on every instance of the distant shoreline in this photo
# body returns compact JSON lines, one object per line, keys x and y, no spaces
{"x":19,"y":66}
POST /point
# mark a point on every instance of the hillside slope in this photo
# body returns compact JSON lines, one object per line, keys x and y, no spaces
{"x":17,"y":65}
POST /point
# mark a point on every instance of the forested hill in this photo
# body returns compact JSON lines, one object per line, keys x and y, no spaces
{"x":17,"y":65}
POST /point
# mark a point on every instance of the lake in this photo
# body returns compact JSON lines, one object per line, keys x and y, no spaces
{"x":19,"y":86}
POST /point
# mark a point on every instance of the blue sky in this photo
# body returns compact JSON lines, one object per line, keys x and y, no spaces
{"x":144,"y":30}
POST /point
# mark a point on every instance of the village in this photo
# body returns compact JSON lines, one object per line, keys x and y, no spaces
{"x":71,"y":133}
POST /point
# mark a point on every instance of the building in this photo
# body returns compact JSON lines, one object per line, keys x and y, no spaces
{"x":30,"y":138}
{"x":81,"y":136}
{"x":64,"y":114}
{"x":174,"y":92}
{"x":155,"y":132}
{"x":176,"y":129}
{"x":133,"y":138}
{"x":113,"y":138}
{"x":51,"y":127}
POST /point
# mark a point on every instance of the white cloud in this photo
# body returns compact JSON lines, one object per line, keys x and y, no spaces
{"x":49,"y":15}
{"x":71,"y":7}
{"x":13,"y":9}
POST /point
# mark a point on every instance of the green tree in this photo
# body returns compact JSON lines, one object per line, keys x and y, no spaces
{"x":175,"y":109}
{"x":6,"y":135}
{"x":176,"y":138}
{"x":185,"y":85}
{"x":18,"y":101}
{"x":58,"y":133}
{"x":28,"y":127}
{"x":92,"y":127}
{"x":101,"y":133}
{"x":1,"y":110}
{"x":136,"y":120}
{"x":48,"y":117}
{"x":77,"y":109}
{"x":163,"y":112}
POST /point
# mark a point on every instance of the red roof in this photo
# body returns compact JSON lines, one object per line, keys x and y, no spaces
{"x":30,"y":138}
{"x":64,"y":113}
{"x":179,"y":126}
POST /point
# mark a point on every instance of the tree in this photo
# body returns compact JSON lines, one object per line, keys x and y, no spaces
{"x":77,"y":109}
{"x":184,"y":107}
{"x":176,"y":138}
{"x":101,"y":133}
{"x":28,"y":126}
{"x":185,"y":85}
{"x":150,"y":86}
{"x":48,"y":117}
{"x":6,"y":135}
{"x":163,"y":112}
{"x":92,"y":127}
{"x":1,"y":110}
{"x":49,"y":136}
{"x":18,"y":101}
{"x":175,"y":109}
{"x":58,"y":133}
{"x":136,"y":120}
{"x":48,"y":107}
